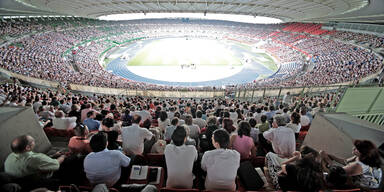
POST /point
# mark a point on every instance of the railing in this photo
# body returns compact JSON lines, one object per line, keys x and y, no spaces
{"x":248,"y":94}
{"x":377,"y":118}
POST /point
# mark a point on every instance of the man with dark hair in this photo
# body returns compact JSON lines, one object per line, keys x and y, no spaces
{"x":133,"y":137}
{"x":199,"y":121}
{"x":24,"y":162}
{"x":180,"y":159}
{"x":103,"y":165}
{"x":90,"y":121}
{"x":170,"y":129}
{"x":221,"y":164}
{"x":84,"y":112}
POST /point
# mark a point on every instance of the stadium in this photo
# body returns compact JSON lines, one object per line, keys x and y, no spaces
{"x":192,"y":95}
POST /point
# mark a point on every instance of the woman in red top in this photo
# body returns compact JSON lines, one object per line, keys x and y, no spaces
{"x":79,"y":144}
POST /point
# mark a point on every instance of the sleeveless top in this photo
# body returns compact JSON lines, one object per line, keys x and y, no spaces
{"x":370,"y":178}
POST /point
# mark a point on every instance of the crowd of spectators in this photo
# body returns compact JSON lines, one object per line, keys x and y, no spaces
{"x":36,"y":55}
{"x":202,"y":139}
{"x":360,"y":38}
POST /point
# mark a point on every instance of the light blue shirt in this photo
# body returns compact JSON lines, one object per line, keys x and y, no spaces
{"x":92,"y":124}
{"x":105,"y":166}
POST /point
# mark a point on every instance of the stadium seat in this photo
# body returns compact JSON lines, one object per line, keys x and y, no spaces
{"x":305,"y":128}
{"x":258,"y":161}
{"x":165,"y":189}
{"x":345,"y":190}
{"x":155,"y":159}
{"x":74,"y":188}
{"x":52,"y":132}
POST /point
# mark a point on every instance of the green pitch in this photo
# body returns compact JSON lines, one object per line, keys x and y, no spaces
{"x":178,"y":51}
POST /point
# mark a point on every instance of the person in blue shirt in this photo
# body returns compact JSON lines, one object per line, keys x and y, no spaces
{"x":90,"y":121}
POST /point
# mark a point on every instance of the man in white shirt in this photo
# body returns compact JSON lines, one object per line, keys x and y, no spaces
{"x":180,"y":159}
{"x":221,"y":164}
{"x":282,"y":138}
{"x":144,"y":114}
{"x":133,"y":137}
{"x":63,"y":123}
{"x":103,"y":165}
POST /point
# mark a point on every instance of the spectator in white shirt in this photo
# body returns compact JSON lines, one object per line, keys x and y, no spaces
{"x":221,"y":164}
{"x":63,"y":123}
{"x":133,"y":137}
{"x":180,"y":159}
{"x":163,"y":121}
{"x":282,"y":138}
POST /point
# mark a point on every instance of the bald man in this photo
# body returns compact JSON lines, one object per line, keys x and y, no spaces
{"x":24,"y":162}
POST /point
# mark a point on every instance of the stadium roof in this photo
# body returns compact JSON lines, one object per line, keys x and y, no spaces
{"x":369,"y":11}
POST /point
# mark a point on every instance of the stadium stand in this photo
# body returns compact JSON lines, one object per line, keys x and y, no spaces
{"x":313,"y":65}
{"x":29,"y":53}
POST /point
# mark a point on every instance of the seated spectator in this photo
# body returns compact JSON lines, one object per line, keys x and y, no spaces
{"x":221,"y":164}
{"x":84,"y":111}
{"x":189,"y":140}
{"x":126,"y":118}
{"x":295,"y":123}
{"x":199,"y":121}
{"x":205,"y":139}
{"x":286,"y":115}
{"x":180,"y":159}
{"x":75,"y":112}
{"x":363,"y":167}
{"x":304,"y":119}
{"x":283,"y":144}
{"x":264,"y":126}
{"x":24,"y":162}
{"x":281,"y":137}
{"x":155,"y":144}
{"x":46,"y":112}
{"x":194,"y":129}
{"x":133,"y":137}
{"x":169,"y":129}
{"x":304,"y":175}
{"x":115,"y":112}
{"x":63,"y":123}
{"x":178,"y":115}
{"x":242,"y":142}
{"x":163,"y":121}
{"x":106,"y":126}
{"x":228,"y":125}
{"x":103,"y":165}
{"x":337,"y":178}
{"x":79,"y":144}
{"x":90,"y":121}
{"x":254,"y":130}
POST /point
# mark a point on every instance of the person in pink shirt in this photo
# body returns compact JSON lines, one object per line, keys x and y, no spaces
{"x":242,"y":142}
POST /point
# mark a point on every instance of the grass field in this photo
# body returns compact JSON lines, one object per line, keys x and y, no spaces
{"x":178,"y":51}
{"x":266,"y":60}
